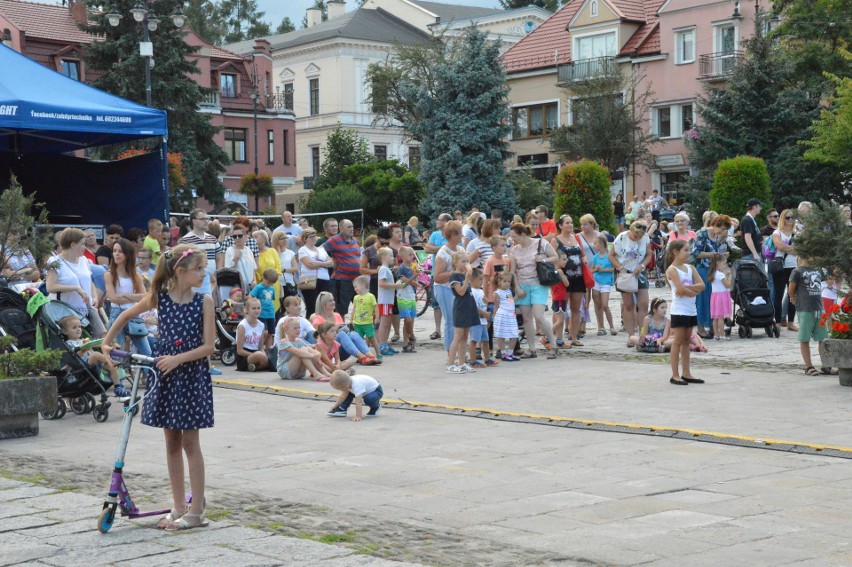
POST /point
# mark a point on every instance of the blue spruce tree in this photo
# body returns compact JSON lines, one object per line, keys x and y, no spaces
{"x":464,"y":122}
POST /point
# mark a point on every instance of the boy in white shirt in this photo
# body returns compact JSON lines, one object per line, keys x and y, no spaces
{"x":361,"y":388}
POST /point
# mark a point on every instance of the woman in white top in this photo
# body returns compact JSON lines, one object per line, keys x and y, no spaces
{"x":239,"y":257}
{"x":784,"y":248}
{"x":70,"y":279}
{"x":631,"y":253}
{"x":314,"y":264}
{"x":124,"y":289}
{"x":441,"y":273}
{"x":289,"y":266}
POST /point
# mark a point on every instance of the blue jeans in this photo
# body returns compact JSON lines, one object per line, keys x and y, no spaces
{"x":702,"y":300}
{"x":371,"y":400}
{"x":445,"y":298}
{"x":141,"y":343}
{"x":351,"y":344}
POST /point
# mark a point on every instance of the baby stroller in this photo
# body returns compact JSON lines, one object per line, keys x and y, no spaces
{"x":14,"y":320}
{"x":226,"y":325}
{"x":76,"y":380}
{"x":656,"y":267}
{"x":752,"y":300}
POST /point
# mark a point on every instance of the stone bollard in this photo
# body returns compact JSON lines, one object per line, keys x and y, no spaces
{"x":838,"y":353}
{"x":21,"y":400}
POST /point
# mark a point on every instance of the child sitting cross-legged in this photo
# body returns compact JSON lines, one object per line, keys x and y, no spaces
{"x":295,"y":356}
{"x":361,"y":389}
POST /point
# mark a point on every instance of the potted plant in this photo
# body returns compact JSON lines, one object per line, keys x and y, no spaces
{"x":826,"y":241}
{"x":25,"y":389}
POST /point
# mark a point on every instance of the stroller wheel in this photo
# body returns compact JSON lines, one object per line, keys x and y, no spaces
{"x":100,"y":413}
{"x":769,"y":331}
{"x":58,"y":412}
{"x":748,"y":332}
{"x":80,"y":404}
{"x":741,"y":331}
{"x":229,"y":357}
{"x":776,"y":330}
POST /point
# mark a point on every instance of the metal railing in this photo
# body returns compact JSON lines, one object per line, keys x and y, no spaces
{"x":280,"y":102}
{"x":585,"y":69}
{"x":718,"y":65}
{"x":210,"y":100}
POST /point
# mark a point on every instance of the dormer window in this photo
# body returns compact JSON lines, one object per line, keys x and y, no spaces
{"x":593,"y":8}
{"x":228,"y":85}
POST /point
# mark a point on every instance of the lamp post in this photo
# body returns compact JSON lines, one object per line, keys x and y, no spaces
{"x":144,"y":15}
{"x":255,"y":96}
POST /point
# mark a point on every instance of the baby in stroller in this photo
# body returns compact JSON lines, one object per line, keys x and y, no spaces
{"x":72,"y":331}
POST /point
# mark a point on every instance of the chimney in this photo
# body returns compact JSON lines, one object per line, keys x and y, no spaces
{"x":314,"y":16}
{"x":336,"y":8}
{"x":261,"y":47}
{"x":77,"y":9}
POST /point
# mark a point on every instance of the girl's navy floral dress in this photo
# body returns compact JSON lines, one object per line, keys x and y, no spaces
{"x":183,"y":399}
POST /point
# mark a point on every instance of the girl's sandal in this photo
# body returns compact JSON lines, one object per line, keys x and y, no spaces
{"x":811,"y":371}
{"x":577,"y":343}
{"x":187,"y":522}
{"x":170,"y":518}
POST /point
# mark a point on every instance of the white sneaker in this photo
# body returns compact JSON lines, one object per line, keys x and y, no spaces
{"x":453,"y":369}
{"x":251,"y":367}
{"x":467,"y":368}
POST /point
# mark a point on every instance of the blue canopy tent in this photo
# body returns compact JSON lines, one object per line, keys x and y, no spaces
{"x":45,"y":116}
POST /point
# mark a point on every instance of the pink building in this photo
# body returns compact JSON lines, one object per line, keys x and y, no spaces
{"x":674,"y":46}
{"x":49,"y":34}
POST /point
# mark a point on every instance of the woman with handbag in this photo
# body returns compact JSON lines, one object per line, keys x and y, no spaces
{"x":630,"y":255}
{"x":441,"y":273}
{"x":313,"y":270}
{"x":586,"y":237}
{"x":569,"y":243}
{"x":535,"y":259}
{"x":240,"y":258}
{"x":781,"y":266}
{"x":124,"y":289}
{"x":709,"y":241}
{"x":289,"y":266}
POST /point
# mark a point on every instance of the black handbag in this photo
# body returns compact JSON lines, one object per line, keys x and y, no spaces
{"x":776,"y":264}
{"x":546,"y":272}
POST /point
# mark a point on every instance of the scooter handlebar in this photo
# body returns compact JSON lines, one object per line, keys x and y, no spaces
{"x":121,"y":355}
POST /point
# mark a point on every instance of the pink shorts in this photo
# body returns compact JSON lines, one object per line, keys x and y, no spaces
{"x":720,"y":305}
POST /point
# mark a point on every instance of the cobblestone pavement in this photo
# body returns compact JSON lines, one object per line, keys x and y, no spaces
{"x":444,"y":489}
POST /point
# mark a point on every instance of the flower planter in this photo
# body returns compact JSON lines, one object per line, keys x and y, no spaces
{"x":21,"y":400}
{"x":838,"y":353}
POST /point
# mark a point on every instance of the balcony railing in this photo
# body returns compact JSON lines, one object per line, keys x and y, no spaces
{"x":280,"y":102}
{"x":210,"y":100}
{"x":586,"y":69}
{"x":718,"y":65}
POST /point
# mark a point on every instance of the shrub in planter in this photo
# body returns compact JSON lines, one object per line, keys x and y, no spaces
{"x":23,"y":391}
{"x":737,"y":180}
{"x":582,"y":188}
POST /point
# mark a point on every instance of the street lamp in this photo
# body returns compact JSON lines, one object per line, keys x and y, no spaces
{"x":255,"y":96}
{"x":143,"y":14}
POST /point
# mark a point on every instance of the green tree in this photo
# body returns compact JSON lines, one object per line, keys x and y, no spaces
{"x":605,"y":129}
{"x":457,"y":106}
{"x":286,"y":26}
{"x":203,"y":18}
{"x":17,"y":223}
{"x":242,"y":20}
{"x":391,"y":192}
{"x":173,"y":88}
{"x":343,"y":147}
{"x":529,"y":191}
{"x":832,"y":132}
{"x":763,"y":111}
{"x":826,"y":240}
{"x":737,"y":180}
{"x":550,"y":5}
{"x":582,"y":188}
{"x":342,"y":197}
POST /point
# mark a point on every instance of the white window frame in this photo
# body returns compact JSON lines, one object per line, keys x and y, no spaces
{"x":717,"y":28}
{"x":604,"y":31}
{"x":593,"y":8}
{"x":675,"y":117}
{"x":678,"y":34}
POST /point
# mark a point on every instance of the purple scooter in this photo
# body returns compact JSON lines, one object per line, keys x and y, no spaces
{"x":118,"y":494}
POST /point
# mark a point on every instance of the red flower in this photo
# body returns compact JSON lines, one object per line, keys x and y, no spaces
{"x":844,"y":328}
{"x":846,"y":307}
{"x":834,"y":308}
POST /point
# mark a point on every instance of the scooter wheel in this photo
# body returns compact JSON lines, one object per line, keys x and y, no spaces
{"x":100,"y":413}
{"x":229,"y":357}
{"x":106,"y":519}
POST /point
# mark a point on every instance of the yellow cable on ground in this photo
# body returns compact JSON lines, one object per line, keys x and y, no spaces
{"x":655,"y":428}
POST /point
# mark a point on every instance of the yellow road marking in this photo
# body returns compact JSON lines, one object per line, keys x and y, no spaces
{"x":693,"y":432}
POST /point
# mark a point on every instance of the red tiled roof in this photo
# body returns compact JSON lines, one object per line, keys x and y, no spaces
{"x":219,"y":53}
{"x":546,"y":46}
{"x":629,"y":9}
{"x":44,"y":21}
{"x":646,"y":40}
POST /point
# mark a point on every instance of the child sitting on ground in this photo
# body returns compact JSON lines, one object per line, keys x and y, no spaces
{"x":361,"y":388}
{"x":656,"y":332}
{"x":293,"y":310}
{"x":329,"y":348}
{"x":251,"y":336}
{"x":295,"y":356}
{"x":72,"y":329}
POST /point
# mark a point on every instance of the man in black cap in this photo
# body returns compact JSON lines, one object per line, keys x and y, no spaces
{"x":751,"y":233}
